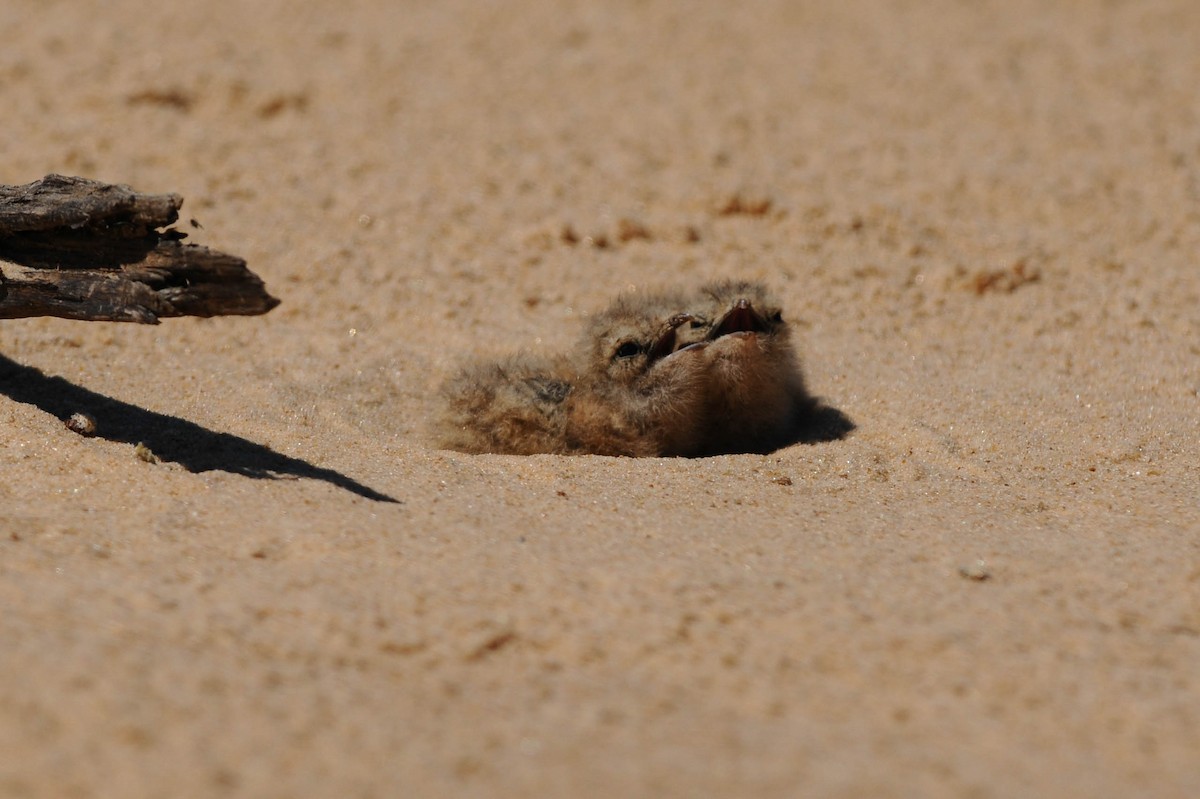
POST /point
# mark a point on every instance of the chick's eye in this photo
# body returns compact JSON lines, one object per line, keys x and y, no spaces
{"x":698,"y":323}
{"x":777,"y":317}
{"x":628,"y":349}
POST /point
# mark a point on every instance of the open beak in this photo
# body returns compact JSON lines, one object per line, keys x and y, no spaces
{"x":741,"y":318}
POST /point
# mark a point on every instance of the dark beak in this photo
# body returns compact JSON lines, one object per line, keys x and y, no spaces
{"x":741,"y":318}
{"x":664,"y":345}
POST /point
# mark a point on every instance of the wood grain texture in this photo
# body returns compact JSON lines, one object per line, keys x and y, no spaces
{"x":80,"y":249}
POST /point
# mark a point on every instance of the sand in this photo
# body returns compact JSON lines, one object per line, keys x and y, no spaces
{"x":982,"y":219}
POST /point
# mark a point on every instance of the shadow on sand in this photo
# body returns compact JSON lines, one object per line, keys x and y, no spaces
{"x":196,"y":448}
{"x":813,"y":422}
{"x":822,"y":424}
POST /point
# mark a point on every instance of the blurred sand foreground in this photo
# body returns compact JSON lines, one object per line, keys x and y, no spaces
{"x":984,"y":218}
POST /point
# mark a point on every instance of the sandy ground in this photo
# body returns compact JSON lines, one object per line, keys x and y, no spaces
{"x":984,"y":218}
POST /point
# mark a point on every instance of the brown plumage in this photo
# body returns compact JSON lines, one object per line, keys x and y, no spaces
{"x":637,"y":393}
{"x":756,"y":400}
{"x":513,"y":406}
{"x":669,"y":374}
{"x":624,"y":390}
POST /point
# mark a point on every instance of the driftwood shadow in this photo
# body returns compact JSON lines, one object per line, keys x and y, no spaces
{"x":192,"y":446}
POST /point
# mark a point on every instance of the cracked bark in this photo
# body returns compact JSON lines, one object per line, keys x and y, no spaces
{"x":81,"y":249}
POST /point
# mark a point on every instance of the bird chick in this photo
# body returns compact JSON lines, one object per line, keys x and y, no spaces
{"x":625,"y":390}
{"x":638,"y":393}
{"x":756,"y":397}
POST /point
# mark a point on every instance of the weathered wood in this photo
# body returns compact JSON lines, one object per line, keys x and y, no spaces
{"x":81,"y":249}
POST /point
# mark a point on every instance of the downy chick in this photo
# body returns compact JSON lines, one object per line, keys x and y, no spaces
{"x":624,"y":391}
{"x":756,"y":397}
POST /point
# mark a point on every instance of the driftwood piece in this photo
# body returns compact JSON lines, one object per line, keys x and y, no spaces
{"x":82,"y":249}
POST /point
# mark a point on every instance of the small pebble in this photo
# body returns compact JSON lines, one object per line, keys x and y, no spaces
{"x":143,"y":452}
{"x":976,"y":571}
{"x":82,"y":424}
